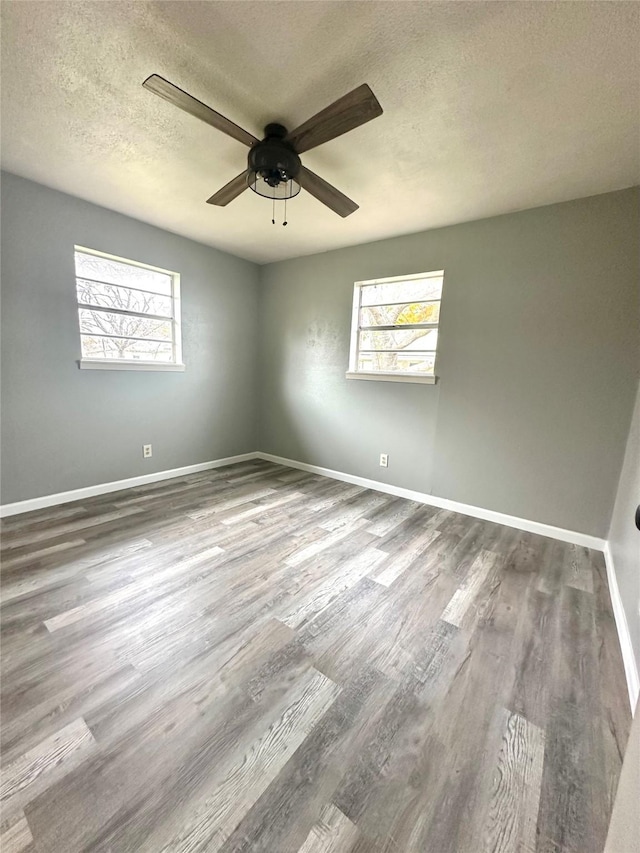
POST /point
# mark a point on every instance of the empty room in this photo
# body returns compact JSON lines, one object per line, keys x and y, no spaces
{"x":320,"y":426}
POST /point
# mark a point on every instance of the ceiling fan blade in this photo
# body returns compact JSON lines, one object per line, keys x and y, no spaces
{"x":324,"y":192}
{"x":230,"y":191}
{"x":347,"y":113}
{"x":179,"y":98}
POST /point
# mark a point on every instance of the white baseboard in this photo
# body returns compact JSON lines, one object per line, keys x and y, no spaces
{"x":421,"y":497}
{"x":116,"y":486}
{"x":624,"y":635}
{"x":572,"y":536}
{"x":444,"y":503}
{"x":630,"y":664}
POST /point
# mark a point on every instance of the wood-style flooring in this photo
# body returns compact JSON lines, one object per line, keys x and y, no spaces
{"x":258,"y":659}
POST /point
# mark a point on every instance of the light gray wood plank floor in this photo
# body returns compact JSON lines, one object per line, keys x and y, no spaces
{"x":259,"y":659}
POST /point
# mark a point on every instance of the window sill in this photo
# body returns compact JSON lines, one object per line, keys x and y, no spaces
{"x":105,"y":364}
{"x":394,"y":377}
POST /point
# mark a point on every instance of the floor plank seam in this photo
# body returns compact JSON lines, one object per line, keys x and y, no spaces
{"x":255,"y":658}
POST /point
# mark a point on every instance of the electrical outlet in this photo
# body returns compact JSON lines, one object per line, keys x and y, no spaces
{"x":384,"y":460}
{"x":147,"y":451}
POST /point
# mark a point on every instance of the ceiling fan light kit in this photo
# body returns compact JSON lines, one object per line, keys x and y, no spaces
{"x":274,"y":169}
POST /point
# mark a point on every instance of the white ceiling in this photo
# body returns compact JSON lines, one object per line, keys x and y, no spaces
{"x":489,"y":107}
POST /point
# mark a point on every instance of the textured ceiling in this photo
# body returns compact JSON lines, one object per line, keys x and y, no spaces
{"x":488,"y":108}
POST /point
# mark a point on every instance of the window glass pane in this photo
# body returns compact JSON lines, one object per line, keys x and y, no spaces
{"x":112,"y":296}
{"x":117,"y":272}
{"x":128,"y":350}
{"x":402,"y":291}
{"x":123,"y":325}
{"x":401,"y":314}
{"x":394,"y":362}
{"x":409,"y":339}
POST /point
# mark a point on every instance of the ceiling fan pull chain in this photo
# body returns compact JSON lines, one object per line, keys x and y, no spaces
{"x":285,"y":211}
{"x":273,"y":208}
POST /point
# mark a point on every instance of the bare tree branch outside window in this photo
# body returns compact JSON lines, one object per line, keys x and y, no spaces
{"x":140,"y":326}
{"x":398,"y":325}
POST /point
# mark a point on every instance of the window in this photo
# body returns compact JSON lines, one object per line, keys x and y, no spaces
{"x":129,"y":313}
{"x":394,"y":330}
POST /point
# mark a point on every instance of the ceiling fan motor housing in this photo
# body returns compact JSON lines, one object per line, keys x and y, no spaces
{"x":274,"y":169}
{"x":273,"y":158}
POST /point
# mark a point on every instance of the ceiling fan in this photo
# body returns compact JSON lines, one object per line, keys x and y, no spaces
{"x":273,"y":166}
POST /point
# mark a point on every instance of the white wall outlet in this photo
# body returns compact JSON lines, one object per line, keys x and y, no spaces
{"x":384,"y":460}
{"x":147,"y":451}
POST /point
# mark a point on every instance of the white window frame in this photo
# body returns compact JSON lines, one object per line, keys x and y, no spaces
{"x":134,"y":364}
{"x":379,"y":376}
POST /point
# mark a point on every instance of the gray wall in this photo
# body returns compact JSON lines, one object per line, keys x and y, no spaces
{"x":624,"y":537}
{"x":64,"y":428}
{"x":538,"y":362}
